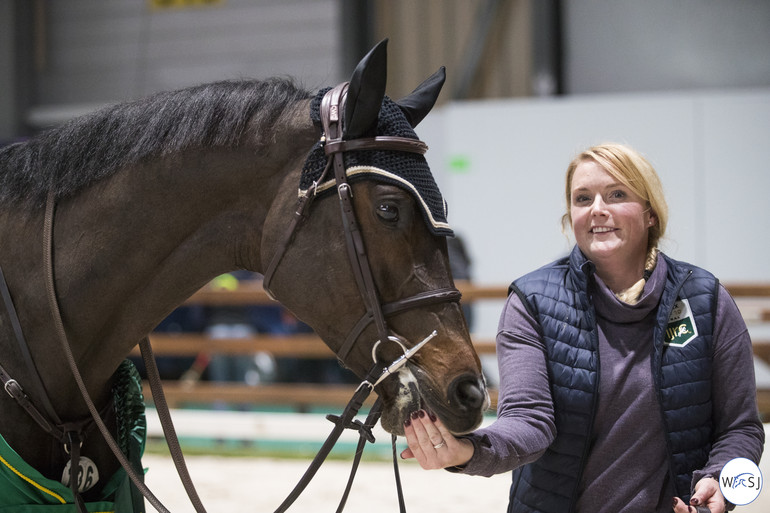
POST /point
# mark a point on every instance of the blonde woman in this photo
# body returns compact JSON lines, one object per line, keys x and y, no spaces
{"x":626,"y":376}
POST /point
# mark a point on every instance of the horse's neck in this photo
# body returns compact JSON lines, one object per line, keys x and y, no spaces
{"x":127,"y":251}
{"x":130,"y":249}
{"x":150,"y":245}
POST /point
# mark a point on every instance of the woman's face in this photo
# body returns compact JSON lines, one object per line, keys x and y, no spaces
{"x":610,"y":222}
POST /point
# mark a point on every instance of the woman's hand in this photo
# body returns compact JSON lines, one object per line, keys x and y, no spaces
{"x":432,"y":445}
{"x":707,"y":497}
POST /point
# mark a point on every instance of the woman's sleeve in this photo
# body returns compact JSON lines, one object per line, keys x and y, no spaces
{"x":738,"y":431}
{"x":525,"y":425}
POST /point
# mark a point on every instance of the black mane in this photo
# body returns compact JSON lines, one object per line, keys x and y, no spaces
{"x":85,"y":150}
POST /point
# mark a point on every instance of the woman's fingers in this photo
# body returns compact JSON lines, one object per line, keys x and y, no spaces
{"x":431,"y":444}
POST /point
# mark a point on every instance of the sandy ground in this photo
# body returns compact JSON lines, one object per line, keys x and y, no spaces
{"x":260,"y":485}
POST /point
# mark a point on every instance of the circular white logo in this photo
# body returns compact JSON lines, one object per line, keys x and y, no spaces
{"x":740,"y":481}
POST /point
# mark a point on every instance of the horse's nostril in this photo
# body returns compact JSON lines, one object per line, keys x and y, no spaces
{"x":469,"y":392}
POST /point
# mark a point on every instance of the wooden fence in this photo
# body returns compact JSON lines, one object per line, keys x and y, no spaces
{"x":752,"y":299}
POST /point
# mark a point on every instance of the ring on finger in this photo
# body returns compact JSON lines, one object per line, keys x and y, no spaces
{"x":439,"y":445}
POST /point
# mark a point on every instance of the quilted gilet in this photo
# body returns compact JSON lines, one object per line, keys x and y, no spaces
{"x":557,"y":296}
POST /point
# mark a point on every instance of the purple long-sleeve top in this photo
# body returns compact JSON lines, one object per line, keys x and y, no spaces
{"x":627,"y":468}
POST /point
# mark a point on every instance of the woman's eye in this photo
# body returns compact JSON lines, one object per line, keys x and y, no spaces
{"x":388,"y":212}
{"x":617,"y":194}
{"x":581,"y":199}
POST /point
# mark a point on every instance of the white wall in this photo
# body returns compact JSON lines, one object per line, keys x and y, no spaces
{"x":710,"y":149}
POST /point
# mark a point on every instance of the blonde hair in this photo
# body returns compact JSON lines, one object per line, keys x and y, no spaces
{"x":631,"y":169}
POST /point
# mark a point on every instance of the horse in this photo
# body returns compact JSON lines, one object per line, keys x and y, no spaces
{"x":154,"y":198}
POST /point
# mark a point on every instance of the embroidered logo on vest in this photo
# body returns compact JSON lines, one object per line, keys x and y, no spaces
{"x":681,"y":329}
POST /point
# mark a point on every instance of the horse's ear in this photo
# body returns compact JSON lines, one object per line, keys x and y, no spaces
{"x":420,"y":101}
{"x":366,"y":92}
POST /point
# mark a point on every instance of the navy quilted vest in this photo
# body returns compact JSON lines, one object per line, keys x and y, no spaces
{"x":556,"y":295}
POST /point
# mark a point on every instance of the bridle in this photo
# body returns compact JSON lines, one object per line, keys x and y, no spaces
{"x":335,"y":146}
{"x":376,"y":312}
{"x":332,"y":115}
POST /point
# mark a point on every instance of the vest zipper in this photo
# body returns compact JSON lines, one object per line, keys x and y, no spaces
{"x":656,"y":363}
{"x":591,"y":312}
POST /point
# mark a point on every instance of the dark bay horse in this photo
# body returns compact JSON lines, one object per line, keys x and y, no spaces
{"x":155,"y":198}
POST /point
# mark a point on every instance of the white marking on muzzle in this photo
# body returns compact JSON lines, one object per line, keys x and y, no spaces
{"x":407,"y":386}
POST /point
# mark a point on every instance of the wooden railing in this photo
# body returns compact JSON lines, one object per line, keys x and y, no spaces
{"x":753,"y":300}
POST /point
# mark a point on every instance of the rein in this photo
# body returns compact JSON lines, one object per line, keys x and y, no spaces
{"x":344,"y":421}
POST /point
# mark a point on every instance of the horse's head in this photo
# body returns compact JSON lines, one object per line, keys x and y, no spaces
{"x":375,"y":281}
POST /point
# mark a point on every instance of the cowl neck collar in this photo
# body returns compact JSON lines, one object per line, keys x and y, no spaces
{"x":609,"y":307}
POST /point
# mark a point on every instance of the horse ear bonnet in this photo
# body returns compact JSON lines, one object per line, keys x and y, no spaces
{"x":368,"y":113}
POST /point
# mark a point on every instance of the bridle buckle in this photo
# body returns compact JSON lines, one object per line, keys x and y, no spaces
{"x":8,"y":385}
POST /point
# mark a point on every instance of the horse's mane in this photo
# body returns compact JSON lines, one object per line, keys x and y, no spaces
{"x":80,"y":152}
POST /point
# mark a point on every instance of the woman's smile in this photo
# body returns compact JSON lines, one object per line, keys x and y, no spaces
{"x":601,"y":229}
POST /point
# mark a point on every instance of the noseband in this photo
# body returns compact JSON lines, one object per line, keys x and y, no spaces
{"x":335,"y":147}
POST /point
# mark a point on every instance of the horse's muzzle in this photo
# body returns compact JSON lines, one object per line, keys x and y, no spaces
{"x":460,"y":407}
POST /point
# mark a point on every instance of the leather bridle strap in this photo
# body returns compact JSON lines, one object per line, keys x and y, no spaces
{"x":334,"y":147}
{"x":381,"y":142}
{"x":300,"y":214}
{"x":331,"y":119}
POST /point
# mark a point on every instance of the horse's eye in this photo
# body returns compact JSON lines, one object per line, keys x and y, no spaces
{"x":388,"y":212}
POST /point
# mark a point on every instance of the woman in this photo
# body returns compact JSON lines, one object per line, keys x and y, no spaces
{"x":626,"y":376}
